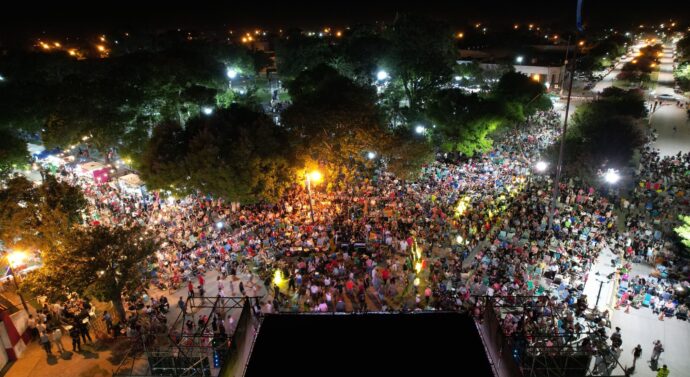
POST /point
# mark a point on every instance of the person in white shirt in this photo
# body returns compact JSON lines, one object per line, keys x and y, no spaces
{"x":57,"y":339}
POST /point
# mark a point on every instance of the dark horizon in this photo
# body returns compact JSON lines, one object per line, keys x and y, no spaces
{"x":26,"y":20}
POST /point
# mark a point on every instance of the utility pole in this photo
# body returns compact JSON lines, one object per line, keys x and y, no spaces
{"x":559,"y":167}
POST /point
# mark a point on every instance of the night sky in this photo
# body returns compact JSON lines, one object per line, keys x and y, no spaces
{"x":103,"y":16}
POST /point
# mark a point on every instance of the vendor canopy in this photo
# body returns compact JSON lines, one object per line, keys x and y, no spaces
{"x":92,"y":166}
{"x":131,"y":180}
{"x":47,"y":152}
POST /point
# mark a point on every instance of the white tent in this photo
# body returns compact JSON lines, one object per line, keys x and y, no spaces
{"x":131,"y":180}
{"x":89,"y":167}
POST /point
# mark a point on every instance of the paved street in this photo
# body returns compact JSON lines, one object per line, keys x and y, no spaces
{"x":668,"y":114}
{"x":641,"y":326}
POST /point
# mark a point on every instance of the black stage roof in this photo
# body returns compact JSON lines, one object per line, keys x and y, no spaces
{"x":415,"y":344}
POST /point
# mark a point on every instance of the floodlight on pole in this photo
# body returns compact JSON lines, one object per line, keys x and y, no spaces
{"x":519,"y":59}
{"x":232,"y":73}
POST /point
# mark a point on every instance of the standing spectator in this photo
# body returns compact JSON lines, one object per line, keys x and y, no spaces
{"x":656,"y":352}
{"x":108,"y":321}
{"x":83,"y":327}
{"x":190,"y":289}
{"x":57,"y":339}
{"x":45,"y":342}
{"x":181,"y":304}
{"x":32,"y":327}
{"x":663,"y":371}
{"x":616,"y":339}
{"x":637,"y":352}
{"x":76,"y":342}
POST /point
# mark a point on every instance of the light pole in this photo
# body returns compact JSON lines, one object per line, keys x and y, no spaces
{"x":601,"y":285}
{"x":559,"y":167}
{"x":316,"y":177}
{"x":14,"y":259}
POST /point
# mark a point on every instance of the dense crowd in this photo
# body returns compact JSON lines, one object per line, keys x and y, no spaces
{"x":468,"y":227}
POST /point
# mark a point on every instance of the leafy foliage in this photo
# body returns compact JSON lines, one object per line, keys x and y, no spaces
{"x":526,"y":95}
{"x":604,"y":134}
{"x":463,"y":122}
{"x":99,"y":261}
{"x":13,"y":152}
{"x":235,"y":153}
{"x":38,"y":217}
{"x":421,"y":56}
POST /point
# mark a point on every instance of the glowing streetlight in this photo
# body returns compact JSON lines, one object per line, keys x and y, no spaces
{"x":611,"y":176}
{"x":2,"y":78}
{"x":207,"y":110}
{"x":316,"y":177}
{"x":16,"y":258}
{"x":519,"y":59}
{"x":420,"y":129}
{"x":381,"y":75}
{"x":371,"y":155}
{"x":232,"y":73}
{"x":219,"y":225}
{"x":541,"y":166}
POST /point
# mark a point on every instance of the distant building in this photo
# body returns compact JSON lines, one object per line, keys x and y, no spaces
{"x":544,"y":64}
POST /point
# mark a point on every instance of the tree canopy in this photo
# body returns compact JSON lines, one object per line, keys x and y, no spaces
{"x":464,"y":122}
{"x":110,"y":261}
{"x":38,"y":217}
{"x":604,"y":134}
{"x":235,"y":153}
{"x":526,"y":95}
{"x":336,"y":122}
{"x":13,"y":152}
{"x":421,"y":56}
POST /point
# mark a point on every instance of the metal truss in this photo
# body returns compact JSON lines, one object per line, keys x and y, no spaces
{"x":179,"y":353}
{"x":543,"y":351}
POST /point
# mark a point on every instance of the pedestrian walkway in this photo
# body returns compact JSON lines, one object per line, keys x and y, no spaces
{"x":640,"y":326}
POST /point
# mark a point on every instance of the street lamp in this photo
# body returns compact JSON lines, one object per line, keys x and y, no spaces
{"x":232,"y":73}
{"x":420,"y":129}
{"x":371,"y":155}
{"x":519,"y":59}
{"x":14,"y":259}
{"x":611,"y":176}
{"x":381,"y":75}
{"x":207,"y":110}
{"x":601,"y":284}
{"x":316,"y":177}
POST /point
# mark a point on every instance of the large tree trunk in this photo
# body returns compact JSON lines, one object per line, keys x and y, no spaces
{"x":119,"y":309}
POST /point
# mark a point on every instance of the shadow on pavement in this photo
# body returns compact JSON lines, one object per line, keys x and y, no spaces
{"x":89,"y":354}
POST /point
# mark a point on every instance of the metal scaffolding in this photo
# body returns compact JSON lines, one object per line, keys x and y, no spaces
{"x":177,"y":352}
{"x":539,"y":347}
